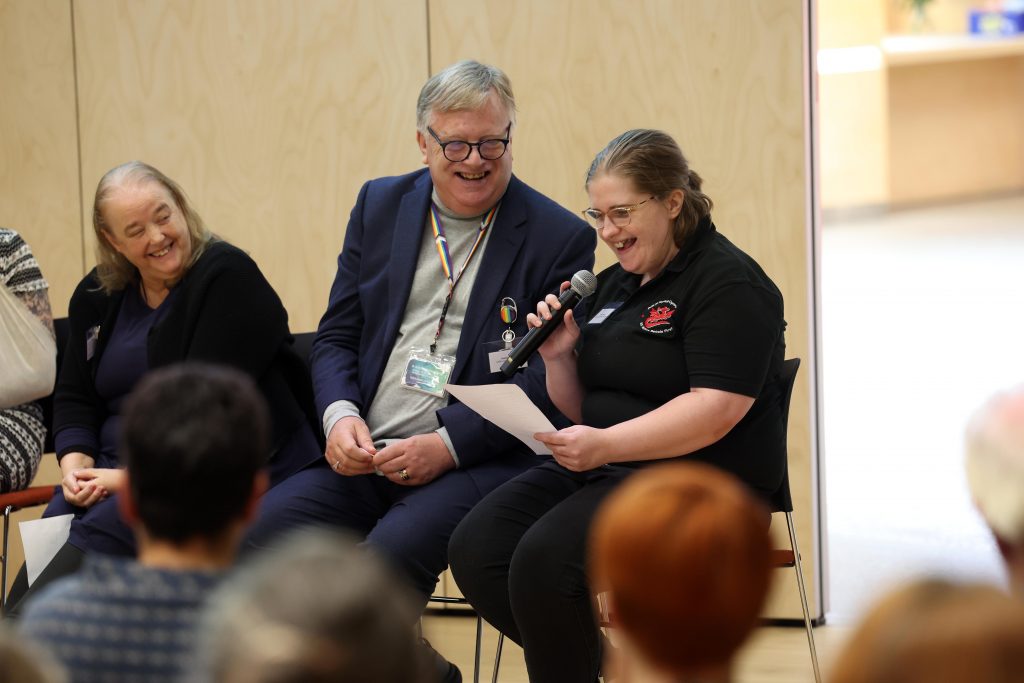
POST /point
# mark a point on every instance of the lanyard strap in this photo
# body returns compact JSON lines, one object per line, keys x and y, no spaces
{"x":441,"y":242}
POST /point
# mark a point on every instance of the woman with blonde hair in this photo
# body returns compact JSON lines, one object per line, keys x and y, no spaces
{"x":165,"y":289}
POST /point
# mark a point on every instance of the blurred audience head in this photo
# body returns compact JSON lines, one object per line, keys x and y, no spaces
{"x":934,"y":630}
{"x":315,"y":609}
{"x":995,"y":474}
{"x":195,"y":440}
{"x":23,"y":662}
{"x":684,"y":554}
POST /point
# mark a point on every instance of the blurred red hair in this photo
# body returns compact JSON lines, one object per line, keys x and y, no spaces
{"x":684,"y":551}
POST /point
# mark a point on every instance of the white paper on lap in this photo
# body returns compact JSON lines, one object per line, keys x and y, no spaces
{"x":42,"y":538}
{"x":507,"y":406}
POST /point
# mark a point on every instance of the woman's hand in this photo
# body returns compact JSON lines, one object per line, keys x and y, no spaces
{"x":562,"y":341}
{"x":107,"y":481}
{"x":577,"y":448}
{"x":77,"y":492}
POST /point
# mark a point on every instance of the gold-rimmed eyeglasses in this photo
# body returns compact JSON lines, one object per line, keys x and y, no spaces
{"x":459,"y":150}
{"x":619,"y":215}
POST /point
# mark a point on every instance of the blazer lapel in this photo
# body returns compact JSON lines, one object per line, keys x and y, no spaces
{"x":409,"y":225}
{"x":500,"y":255}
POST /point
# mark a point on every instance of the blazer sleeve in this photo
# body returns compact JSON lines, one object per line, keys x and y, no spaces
{"x":475,"y":439}
{"x":335,"y":354}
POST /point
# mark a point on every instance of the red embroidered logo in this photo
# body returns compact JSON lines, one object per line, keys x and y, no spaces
{"x":658,"y":318}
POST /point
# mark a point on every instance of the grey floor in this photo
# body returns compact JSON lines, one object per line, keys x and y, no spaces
{"x":922,"y":319}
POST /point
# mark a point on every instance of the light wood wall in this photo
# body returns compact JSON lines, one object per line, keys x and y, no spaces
{"x":38,"y":140}
{"x":271,"y":114}
{"x":955,"y":129}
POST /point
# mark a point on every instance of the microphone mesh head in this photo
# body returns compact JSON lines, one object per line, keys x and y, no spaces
{"x":583,"y":283}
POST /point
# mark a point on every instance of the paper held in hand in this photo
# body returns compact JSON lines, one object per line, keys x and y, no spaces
{"x":507,"y":406}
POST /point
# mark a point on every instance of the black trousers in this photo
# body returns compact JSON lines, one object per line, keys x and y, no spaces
{"x":520,"y":558}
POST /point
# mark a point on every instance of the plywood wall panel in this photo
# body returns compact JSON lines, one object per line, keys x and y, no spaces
{"x":724,"y":78}
{"x":270,"y":113}
{"x":38,"y":147}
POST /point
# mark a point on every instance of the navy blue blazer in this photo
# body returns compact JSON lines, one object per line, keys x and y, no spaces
{"x":534,"y":246}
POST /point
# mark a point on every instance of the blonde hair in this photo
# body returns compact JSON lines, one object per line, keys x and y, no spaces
{"x":114,"y":270}
{"x":465,"y":85}
{"x":934,"y":630}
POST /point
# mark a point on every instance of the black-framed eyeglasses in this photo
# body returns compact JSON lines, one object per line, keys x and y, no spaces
{"x":459,"y":150}
{"x":619,"y":215}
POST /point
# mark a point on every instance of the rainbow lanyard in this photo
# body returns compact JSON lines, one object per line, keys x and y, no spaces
{"x":441,"y":242}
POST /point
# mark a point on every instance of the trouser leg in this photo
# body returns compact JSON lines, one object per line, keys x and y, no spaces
{"x":483,"y":545}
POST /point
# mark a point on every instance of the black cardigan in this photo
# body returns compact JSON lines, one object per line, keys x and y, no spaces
{"x":225,"y":312}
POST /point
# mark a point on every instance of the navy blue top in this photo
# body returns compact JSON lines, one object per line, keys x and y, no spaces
{"x":122,"y":365}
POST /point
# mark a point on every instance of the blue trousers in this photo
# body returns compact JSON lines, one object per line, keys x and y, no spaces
{"x":409,"y":525}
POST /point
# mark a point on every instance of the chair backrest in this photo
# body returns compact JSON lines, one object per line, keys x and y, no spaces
{"x":782,"y":500}
{"x":303,"y":346}
{"x":62,"y":328}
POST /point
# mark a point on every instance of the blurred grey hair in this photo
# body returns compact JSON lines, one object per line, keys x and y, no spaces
{"x":994,"y":445}
{"x":462,"y":86}
{"x":312,"y":609}
{"x":21,"y":661}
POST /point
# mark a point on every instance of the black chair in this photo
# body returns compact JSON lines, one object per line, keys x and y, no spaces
{"x":35,"y":495}
{"x":303,"y":347}
{"x":782,"y":501}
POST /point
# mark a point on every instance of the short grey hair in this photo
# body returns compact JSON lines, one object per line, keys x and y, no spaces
{"x":461,"y":86}
{"x":314,"y":608}
{"x":995,"y":464}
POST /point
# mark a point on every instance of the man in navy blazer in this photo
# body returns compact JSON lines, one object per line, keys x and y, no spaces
{"x":437,"y":273}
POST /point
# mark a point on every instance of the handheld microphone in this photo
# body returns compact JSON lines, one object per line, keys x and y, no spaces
{"x":582,"y":285}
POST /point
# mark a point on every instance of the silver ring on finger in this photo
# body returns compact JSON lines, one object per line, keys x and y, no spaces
{"x":336,"y":466}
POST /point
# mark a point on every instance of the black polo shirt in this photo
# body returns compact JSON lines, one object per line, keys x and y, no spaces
{"x":710,"y":319}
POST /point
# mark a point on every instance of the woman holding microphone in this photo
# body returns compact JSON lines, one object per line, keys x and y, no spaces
{"x":678,"y":356}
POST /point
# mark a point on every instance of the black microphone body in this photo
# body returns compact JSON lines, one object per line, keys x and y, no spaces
{"x":583,"y":284}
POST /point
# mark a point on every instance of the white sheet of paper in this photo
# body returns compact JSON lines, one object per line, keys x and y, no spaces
{"x":507,"y":406}
{"x":42,"y":538}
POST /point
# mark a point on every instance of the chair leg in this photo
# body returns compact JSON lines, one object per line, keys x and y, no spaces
{"x":798,"y":564}
{"x":497,"y":657}
{"x":479,"y":640}
{"x":3,"y":561}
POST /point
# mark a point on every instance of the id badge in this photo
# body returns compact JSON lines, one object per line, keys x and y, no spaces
{"x":427,"y":372}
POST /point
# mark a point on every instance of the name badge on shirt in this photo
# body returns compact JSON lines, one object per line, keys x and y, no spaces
{"x":427,"y":372}
{"x":603,"y":314}
{"x":501,"y":351}
{"x":92,"y":335}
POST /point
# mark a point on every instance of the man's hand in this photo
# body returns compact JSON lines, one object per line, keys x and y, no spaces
{"x":350,"y":450}
{"x":577,"y":448}
{"x":422,"y":458}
